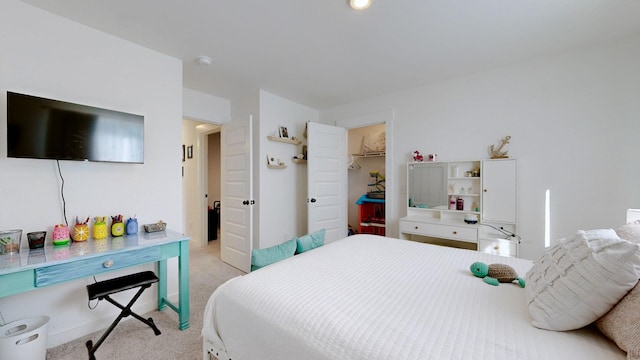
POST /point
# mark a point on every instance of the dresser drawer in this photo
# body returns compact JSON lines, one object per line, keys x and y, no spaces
{"x":500,"y":247}
{"x":91,"y":266}
{"x":452,"y":232}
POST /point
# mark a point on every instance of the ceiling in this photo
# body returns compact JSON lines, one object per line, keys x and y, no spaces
{"x":321,"y":53}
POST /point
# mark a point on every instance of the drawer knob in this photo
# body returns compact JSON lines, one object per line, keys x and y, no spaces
{"x":497,"y":247}
{"x":455,"y":233}
{"x":416,"y":227}
{"x":485,"y":190}
{"x":107,"y":264}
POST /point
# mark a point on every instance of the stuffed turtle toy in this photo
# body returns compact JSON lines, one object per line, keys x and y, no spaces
{"x":495,"y":274}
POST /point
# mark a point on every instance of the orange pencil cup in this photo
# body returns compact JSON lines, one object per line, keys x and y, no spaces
{"x":80,"y":232}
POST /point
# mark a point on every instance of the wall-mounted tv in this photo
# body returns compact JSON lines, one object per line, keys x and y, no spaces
{"x":50,"y":129}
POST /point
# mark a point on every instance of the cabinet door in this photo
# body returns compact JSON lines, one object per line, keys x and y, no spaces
{"x":499,"y":191}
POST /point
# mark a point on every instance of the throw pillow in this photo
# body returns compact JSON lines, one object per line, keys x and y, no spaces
{"x":630,"y":231}
{"x":310,"y":241}
{"x":263,"y":257}
{"x":580,"y":279}
{"x":621,"y":324}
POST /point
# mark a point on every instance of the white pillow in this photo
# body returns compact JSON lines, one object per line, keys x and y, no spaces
{"x":630,"y":231}
{"x":580,"y":279}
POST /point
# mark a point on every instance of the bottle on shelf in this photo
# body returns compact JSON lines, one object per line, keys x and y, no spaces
{"x":452,"y":203}
{"x":460,"y":203}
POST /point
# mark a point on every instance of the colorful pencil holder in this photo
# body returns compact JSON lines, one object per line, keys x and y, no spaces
{"x":80,"y":232}
{"x":60,"y":235}
{"x":132,"y":226}
{"x":100,"y":230}
{"x":117,"y":229}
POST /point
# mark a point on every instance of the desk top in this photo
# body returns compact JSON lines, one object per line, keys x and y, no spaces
{"x":50,"y":255}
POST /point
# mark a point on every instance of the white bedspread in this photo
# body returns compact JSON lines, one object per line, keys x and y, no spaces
{"x":368,"y":297}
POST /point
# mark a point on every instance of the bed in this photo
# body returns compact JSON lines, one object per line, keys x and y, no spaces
{"x":371,"y":297}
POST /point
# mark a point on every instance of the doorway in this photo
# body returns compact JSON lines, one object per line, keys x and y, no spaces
{"x":200,"y":178}
{"x":367,"y":179}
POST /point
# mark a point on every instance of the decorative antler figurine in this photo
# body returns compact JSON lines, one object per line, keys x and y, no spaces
{"x":498,"y":153}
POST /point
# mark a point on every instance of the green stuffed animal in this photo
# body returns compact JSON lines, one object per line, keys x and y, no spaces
{"x":495,"y":274}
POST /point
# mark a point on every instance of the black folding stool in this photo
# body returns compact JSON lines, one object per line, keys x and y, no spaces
{"x":102,"y":290}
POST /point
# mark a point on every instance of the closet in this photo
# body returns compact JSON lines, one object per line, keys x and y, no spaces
{"x":366,"y":175}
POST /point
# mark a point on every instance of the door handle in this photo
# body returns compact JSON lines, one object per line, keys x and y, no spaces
{"x":245,"y":202}
{"x":252,"y":202}
{"x":312,"y":200}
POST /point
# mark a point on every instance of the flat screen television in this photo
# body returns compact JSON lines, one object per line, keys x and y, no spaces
{"x":50,"y":129}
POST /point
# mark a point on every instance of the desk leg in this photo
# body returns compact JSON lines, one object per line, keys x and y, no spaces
{"x":183,"y":284}
{"x":162,"y":284}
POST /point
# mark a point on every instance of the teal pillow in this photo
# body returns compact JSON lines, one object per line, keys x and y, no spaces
{"x":263,"y":257}
{"x":310,"y":241}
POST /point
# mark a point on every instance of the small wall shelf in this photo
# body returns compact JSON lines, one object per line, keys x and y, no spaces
{"x":276,"y":166}
{"x":299,"y":161}
{"x":284,"y":140}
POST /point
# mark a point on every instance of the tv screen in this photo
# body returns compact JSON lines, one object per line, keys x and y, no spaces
{"x":50,"y":129}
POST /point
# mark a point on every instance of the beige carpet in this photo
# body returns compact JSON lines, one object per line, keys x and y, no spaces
{"x":135,"y":340}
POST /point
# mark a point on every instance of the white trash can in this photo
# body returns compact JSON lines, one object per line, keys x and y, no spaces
{"x":24,"y":339}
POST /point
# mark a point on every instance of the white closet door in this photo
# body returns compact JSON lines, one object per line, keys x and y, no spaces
{"x":327,"y":180}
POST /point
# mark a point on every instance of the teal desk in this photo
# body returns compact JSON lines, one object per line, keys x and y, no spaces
{"x":32,"y":269}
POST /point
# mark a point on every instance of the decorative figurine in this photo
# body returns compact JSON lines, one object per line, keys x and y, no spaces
{"x":498,"y":153}
{"x":417,"y":156}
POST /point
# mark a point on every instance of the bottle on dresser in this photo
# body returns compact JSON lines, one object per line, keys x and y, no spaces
{"x":460,"y":203}
{"x":452,"y":202}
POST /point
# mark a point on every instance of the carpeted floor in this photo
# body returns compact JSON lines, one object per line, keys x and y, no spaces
{"x":135,"y":340}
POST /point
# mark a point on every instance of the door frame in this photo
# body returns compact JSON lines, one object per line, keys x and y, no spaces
{"x":386,"y":117}
{"x":203,"y":181}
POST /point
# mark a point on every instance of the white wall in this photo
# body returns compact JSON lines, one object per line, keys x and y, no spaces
{"x":193,"y":213}
{"x":46,"y":55}
{"x":204,"y":107}
{"x":573,"y":118}
{"x":282,"y":192}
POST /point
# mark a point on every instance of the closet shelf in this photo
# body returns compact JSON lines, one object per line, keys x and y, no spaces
{"x":370,"y":154}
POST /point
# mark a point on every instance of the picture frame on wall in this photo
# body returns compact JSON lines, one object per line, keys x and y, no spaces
{"x":272,"y":160}
{"x":284,"y":133}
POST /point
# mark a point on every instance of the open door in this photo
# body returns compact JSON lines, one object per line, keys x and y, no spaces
{"x":327,"y":180}
{"x":236,"y":216}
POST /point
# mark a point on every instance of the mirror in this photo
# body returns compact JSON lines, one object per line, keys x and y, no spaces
{"x":426,"y":185}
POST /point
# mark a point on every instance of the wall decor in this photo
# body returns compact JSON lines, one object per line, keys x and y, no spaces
{"x":497,"y":153}
{"x":284,"y":133}
{"x":272,"y":160}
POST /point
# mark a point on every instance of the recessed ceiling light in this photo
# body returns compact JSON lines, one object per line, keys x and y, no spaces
{"x":204,"y":60}
{"x":359,"y":4}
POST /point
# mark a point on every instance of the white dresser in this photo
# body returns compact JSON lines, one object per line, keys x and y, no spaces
{"x":480,"y":189}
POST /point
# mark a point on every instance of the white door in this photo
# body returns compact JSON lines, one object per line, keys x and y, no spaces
{"x":499,"y":191}
{"x":236,"y":211}
{"x":327,"y":180}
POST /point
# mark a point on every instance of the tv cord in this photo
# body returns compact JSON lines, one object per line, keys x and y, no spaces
{"x":64,"y":203}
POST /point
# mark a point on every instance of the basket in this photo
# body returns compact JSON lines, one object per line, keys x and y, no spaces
{"x":159,"y":226}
